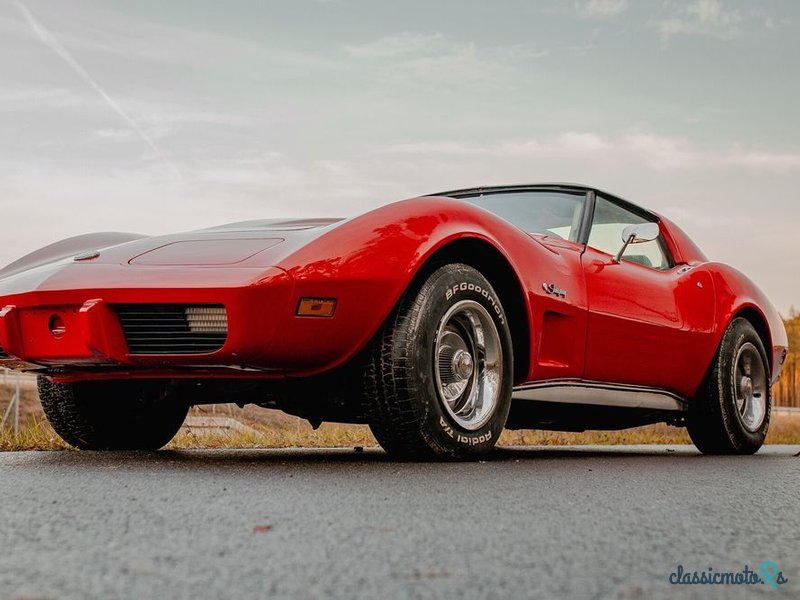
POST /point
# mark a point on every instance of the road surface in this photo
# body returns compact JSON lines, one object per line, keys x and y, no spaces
{"x":589,"y":522}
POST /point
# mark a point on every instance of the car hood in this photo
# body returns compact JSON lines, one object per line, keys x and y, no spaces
{"x":245,"y":244}
{"x":248,"y":246}
{"x":229,"y":244}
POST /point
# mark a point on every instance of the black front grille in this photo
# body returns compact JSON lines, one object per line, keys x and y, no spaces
{"x":173,"y":328}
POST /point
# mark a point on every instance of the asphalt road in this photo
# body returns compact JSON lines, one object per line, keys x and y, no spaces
{"x":530,"y":523}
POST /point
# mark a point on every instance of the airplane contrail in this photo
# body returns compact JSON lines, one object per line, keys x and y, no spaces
{"x":51,"y":42}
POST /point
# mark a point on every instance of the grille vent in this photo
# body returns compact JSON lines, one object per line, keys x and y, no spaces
{"x":173,"y":328}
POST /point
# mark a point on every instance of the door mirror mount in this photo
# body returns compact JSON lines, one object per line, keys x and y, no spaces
{"x":637,"y":234}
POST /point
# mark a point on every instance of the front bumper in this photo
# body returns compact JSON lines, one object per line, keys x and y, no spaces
{"x":90,"y":334}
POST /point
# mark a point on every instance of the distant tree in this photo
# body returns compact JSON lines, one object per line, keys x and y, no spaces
{"x":787,"y":390}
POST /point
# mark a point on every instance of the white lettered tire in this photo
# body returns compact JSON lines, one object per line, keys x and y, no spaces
{"x":440,"y":377}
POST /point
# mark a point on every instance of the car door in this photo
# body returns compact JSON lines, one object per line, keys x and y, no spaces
{"x":635,"y":330}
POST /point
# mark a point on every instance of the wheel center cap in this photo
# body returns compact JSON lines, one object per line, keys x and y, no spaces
{"x":747,"y":387}
{"x":462,"y":364}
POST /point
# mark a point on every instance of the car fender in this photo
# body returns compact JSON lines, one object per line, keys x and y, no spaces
{"x":367,"y":263}
{"x":737,"y":295}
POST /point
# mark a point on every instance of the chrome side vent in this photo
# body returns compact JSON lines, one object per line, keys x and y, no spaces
{"x":173,"y":328}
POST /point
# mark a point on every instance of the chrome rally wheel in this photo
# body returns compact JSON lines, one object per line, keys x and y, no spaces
{"x":468,"y":366}
{"x":751,"y":391}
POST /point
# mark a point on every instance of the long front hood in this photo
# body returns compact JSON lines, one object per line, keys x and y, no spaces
{"x":228,"y":256}
{"x":246,"y":244}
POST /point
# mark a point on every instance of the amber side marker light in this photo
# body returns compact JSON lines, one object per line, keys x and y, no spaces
{"x":316,"y":307}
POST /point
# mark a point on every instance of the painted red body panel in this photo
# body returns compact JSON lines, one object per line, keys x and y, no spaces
{"x":646,"y":326}
{"x":621,"y":323}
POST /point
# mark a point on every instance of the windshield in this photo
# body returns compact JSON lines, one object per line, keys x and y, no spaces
{"x":556,"y":214}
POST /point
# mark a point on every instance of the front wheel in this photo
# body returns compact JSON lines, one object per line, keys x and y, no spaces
{"x":440,"y":377}
{"x":113,"y":415}
{"x":731,"y":413}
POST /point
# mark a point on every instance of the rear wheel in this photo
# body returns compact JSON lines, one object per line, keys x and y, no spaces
{"x":113,"y":415}
{"x":731,"y":416}
{"x":439,"y":381}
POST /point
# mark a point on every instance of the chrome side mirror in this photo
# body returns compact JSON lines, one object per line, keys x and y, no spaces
{"x":637,"y":234}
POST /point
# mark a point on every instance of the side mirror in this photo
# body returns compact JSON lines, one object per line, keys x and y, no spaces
{"x":637,"y":234}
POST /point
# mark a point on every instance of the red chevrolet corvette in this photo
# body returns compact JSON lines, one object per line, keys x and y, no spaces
{"x":438,"y":321}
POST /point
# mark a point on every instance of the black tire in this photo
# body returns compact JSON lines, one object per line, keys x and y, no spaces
{"x":113,"y":415}
{"x":714,"y":420}
{"x":403,"y":405}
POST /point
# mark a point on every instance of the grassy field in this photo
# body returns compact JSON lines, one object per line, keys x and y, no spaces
{"x":272,"y":429}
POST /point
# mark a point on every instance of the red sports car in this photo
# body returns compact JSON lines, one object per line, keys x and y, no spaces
{"x":438,"y":321}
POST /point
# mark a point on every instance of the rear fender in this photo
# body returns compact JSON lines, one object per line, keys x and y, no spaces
{"x":738,"y":296}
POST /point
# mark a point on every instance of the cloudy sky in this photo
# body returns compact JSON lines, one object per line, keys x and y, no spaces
{"x":154,"y":116}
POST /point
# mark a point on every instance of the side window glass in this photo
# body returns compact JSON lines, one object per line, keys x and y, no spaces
{"x":606,"y":235}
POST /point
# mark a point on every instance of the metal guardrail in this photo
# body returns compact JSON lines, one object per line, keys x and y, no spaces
{"x":14,"y":379}
{"x":8,"y":377}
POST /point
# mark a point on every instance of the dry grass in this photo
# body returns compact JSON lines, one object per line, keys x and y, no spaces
{"x":282,"y":436}
{"x":272,"y":429}
{"x":33,"y":435}
{"x":37,"y":435}
{"x":784,"y":429}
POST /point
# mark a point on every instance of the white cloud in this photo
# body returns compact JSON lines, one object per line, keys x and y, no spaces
{"x":118,"y":135}
{"x":409,"y":46}
{"x":666,"y":153}
{"x":638,"y":148}
{"x":566,"y":143}
{"x":602,"y":9}
{"x":16,"y":97}
{"x":703,"y":17}
{"x":434,"y":57}
{"x":402,"y":45}
{"x":711,"y":18}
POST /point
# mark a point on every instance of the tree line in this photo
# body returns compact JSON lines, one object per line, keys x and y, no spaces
{"x":787,"y":391}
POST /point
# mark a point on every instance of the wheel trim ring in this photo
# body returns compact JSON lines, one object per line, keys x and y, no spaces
{"x":486,"y":351}
{"x":750,"y":387}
